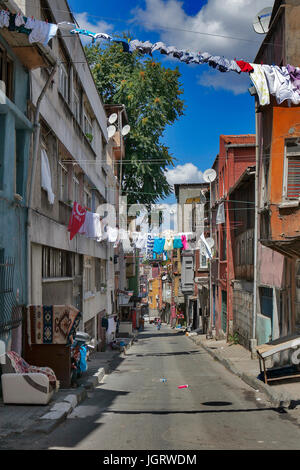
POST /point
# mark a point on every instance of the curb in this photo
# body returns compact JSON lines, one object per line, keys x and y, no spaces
{"x":60,"y":410}
{"x":277,"y":399}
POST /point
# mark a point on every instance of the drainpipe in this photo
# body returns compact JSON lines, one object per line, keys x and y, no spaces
{"x":36,"y":139}
{"x":253,"y":341}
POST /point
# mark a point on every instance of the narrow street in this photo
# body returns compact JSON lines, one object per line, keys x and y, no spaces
{"x":132,"y":409}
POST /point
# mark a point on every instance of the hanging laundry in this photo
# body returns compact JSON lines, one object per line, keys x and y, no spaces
{"x":177,"y":243}
{"x":92,"y":226}
{"x":76,"y":220}
{"x":159,"y":46}
{"x":112,"y":234}
{"x":178,"y":53}
{"x":4,"y":18}
{"x":244,"y":66}
{"x":19,"y":20}
{"x":102,"y":36}
{"x":150,"y":244}
{"x":259,"y":79}
{"x":124,"y":239}
{"x":213,"y":61}
{"x":220,"y":219}
{"x":134,"y":45}
{"x":168,"y":244}
{"x":158,"y":247}
{"x":185,"y":245}
{"x":90,"y":34}
{"x":207,"y":247}
{"x":234,"y":67}
{"x":124,"y":45}
{"x":223,"y":65}
{"x":205,"y":56}
{"x":41,"y":31}
{"x":141,"y":241}
{"x":171,"y":50}
{"x":280,"y":84}
{"x":46,"y":176}
{"x":294,"y":73}
{"x":30,"y":22}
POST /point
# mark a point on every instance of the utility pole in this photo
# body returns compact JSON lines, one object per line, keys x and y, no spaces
{"x":210,"y":279}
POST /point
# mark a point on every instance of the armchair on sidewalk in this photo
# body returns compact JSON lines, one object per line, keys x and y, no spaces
{"x":26,"y":384}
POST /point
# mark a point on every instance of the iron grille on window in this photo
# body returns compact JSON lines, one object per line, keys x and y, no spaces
{"x":10,"y":311}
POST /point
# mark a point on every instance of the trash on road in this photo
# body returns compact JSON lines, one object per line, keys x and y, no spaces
{"x":163,"y":380}
{"x":183,"y":386}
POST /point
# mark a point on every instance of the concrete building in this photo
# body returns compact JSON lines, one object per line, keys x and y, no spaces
{"x":278,"y":179}
{"x":70,"y":135}
{"x":15,"y":136}
{"x":193,"y":216}
{"x":235,"y":155}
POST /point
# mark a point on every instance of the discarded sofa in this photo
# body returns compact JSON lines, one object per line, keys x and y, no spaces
{"x":26,"y":384}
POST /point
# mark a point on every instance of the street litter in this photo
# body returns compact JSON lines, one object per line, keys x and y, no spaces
{"x":183,"y":386}
{"x":163,"y":380}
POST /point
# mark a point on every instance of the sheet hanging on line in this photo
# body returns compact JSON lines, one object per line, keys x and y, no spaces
{"x":46,"y":182}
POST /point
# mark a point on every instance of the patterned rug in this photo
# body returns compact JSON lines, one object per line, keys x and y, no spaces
{"x":53,"y":324}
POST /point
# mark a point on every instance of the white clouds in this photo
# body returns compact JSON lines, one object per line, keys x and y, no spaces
{"x":231,"y":18}
{"x":184,"y":174}
{"x":220,"y":21}
{"x":99,"y":27}
{"x":237,"y":84}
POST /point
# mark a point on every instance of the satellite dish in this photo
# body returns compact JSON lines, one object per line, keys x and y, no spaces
{"x":126,"y":130}
{"x":262,"y":20}
{"x":209,"y":175}
{"x":112,"y":118}
{"x":111,"y":130}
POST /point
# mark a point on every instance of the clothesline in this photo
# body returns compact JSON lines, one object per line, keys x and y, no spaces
{"x":282,"y":82}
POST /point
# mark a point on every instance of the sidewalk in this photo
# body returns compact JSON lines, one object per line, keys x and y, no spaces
{"x":238,"y":360}
{"x":17,"y":419}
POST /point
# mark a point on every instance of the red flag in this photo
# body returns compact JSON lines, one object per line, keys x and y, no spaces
{"x":76,"y":220}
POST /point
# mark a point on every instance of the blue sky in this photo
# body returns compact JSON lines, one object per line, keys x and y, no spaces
{"x":216,"y":103}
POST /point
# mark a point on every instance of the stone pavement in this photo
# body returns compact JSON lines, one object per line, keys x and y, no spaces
{"x":18,"y":419}
{"x":238,"y":360}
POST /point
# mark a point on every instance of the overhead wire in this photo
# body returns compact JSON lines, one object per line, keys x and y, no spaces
{"x":163,"y":28}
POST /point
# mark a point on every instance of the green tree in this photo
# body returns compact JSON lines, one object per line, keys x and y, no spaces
{"x":151,"y":95}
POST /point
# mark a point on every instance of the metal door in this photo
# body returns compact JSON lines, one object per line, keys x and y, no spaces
{"x":224,"y":311}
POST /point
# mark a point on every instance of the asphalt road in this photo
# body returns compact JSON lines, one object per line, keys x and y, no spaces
{"x":133,"y":410}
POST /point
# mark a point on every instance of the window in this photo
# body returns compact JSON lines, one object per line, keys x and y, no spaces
{"x":75,"y":189}
{"x":88,"y":127}
{"x":88,"y":274}
{"x":64,"y":193}
{"x":266,"y":301}
{"x":76,"y":106}
{"x":203,"y":261}
{"x":291,"y":188}
{"x":6,"y":74}
{"x":103,"y":271}
{"x":63,"y":81}
{"x":57,"y":263}
{"x":87,"y":199}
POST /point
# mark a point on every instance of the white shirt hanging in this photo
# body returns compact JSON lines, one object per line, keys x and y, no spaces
{"x":46,"y":176}
{"x":92,"y":226}
{"x":220,"y":219}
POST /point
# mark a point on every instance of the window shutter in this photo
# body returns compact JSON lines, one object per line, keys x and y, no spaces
{"x":293,"y":183}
